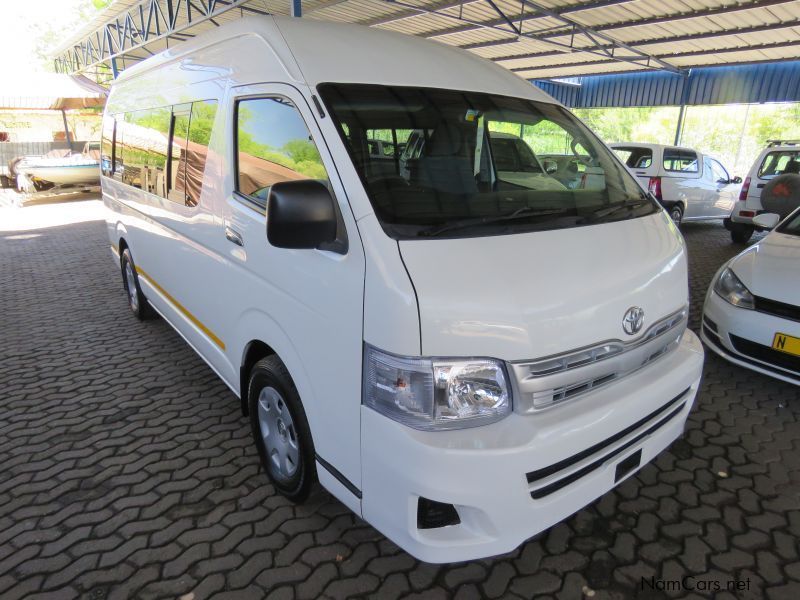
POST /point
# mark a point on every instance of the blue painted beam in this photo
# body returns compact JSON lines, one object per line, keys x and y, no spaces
{"x":745,"y":84}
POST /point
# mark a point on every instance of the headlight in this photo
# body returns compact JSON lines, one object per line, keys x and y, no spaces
{"x":733,"y":290}
{"x":433,"y":394}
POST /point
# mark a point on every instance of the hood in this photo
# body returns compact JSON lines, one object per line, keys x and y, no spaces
{"x":769,"y":268}
{"x":533,"y":181}
{"x":531,"y":295}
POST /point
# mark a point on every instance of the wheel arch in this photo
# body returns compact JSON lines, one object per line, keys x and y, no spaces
{"x":254,"y":351}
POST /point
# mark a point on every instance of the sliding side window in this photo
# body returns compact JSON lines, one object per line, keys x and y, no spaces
{"x":146,"y":140}
{"x":191,"y":133}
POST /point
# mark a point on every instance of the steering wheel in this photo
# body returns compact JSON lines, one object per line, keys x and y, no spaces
{"x":584,"y":159}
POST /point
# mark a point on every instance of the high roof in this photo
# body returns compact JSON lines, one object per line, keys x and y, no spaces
{"x":336,"y":52}
{"x":537,"y":39}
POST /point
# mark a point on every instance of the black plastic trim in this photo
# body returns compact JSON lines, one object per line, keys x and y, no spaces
{"x":567,"y":462}
{"x":573,"y":477}
{"x":760,"y":352}
{"x":339,"y":477}
{"x":777,"y":308}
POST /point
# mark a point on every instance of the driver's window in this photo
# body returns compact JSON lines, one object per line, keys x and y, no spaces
{"x":273,"y":144}
{"x":720,"y":174}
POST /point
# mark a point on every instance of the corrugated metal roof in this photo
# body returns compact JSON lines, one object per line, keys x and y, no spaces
{"x":535,"y":38}
{"x":770,"y":82}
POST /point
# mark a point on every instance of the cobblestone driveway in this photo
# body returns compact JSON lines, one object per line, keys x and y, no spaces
{"x":128,"y":471}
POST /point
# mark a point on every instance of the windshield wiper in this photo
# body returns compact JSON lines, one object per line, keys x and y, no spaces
{"x":520,"y":213}
{"x":610,"y":209}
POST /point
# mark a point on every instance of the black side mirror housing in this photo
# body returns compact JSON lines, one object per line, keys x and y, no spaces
{"x":300,"y":215}
{"x":736,"y":179}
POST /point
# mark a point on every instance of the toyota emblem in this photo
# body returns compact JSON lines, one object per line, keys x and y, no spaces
{"x":633,"y":320}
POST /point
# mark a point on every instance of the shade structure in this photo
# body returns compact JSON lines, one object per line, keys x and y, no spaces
{"x":50,"y":91}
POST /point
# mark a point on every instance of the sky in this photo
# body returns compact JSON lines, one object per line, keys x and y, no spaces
{"x":28,"y":24}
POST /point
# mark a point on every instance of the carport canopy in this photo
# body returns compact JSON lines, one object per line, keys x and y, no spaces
{"x":537,"y":39}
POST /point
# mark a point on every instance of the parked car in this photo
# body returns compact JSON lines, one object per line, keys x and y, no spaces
{"x":381,"y":149}
{"x":692,"y":186}
{"x":751,"y":315}
{"x":573,"y":171}
{"x":461,"y":360}
{"x":772,"y":162}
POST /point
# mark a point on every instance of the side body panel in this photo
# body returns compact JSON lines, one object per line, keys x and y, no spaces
{"x":306,"y":304}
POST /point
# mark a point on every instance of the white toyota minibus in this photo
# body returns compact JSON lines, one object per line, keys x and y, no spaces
{"x":461,"y":350}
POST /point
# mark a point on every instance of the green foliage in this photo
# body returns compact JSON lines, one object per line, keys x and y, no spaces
{"x":545,"y":137}
{"x":735,"y":133}
{"x":299,"y":155}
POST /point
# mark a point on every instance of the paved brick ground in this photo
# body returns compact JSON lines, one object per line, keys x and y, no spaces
{"x":128,"y":472}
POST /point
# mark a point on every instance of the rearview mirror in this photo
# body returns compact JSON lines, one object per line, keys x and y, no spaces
{"x":300,"y":215}
{"x":550,"y":166}
{"x":736,"y":179}
{"x":766,"y":220}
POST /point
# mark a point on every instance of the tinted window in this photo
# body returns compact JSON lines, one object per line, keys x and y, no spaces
{"x":680,"y":160}
{"x":107,"y":146}
{"x":178,"y":153}
{"x":449,"y":183}
{"x":273,"y":145}
{"x":775,"y":163}
{"x":146,"y":134}
{"x":200,"y":125}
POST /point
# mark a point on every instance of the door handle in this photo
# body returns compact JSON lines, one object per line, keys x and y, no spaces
{"x":233,"y":236}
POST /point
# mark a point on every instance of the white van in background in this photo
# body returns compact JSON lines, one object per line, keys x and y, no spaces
{"x":462,"y":360}
{"x":692,"y":186}
{"x":772,"y":162}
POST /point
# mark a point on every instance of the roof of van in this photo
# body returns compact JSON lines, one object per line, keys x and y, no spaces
{"x":651,"y":146}
{"x":315,"y":52}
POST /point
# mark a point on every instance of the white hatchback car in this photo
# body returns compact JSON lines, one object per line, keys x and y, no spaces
{"x":772,"y":162}
{"x":751,"y":315}
{"x":691,"y":185}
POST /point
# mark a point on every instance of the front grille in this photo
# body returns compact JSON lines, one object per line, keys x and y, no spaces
{"x":544,"y":382}
{"x":766,"y":354}
{"x":657,"y":419}
{"x":778,"y":309}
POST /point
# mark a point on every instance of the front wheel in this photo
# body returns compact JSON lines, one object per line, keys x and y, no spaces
{"x":740,"y":233}
{"x":676,"y":214}
{"x":280,"y":429}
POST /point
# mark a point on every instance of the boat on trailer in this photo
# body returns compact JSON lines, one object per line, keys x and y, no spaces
{"x":39,"y":173}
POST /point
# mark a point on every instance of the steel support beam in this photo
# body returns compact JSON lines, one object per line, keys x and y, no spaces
{"x":563,"y":32}
{"x":627,"y":54}
{"x":665,"y":40}
{"x":691,"y":53}
{"x":141,"y":24}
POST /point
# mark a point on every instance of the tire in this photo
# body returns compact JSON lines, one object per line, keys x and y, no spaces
{"x":676,"y":214}
{"x":130,"y":281}
{"x":280,"y":429}
{"x":741,"y":234}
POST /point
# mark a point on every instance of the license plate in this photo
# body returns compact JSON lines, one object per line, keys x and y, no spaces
{"x":786,"y":343}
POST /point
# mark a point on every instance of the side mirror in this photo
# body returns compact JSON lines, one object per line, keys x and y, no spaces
{"x":550,"y":166}
{"x":766,"y":220}
{"x":300,"y":215}
{"x":736,"y":179}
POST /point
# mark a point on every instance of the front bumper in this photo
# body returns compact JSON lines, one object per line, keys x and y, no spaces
{"x":754,"y":330}
{"x":515,"y":478}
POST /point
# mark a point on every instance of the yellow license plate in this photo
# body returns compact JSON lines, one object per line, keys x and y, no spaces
{"x":786,"y":343}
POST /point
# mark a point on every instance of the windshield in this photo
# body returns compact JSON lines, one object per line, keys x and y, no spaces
{"x":468,"y":164}
{"x":792,"y":225}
